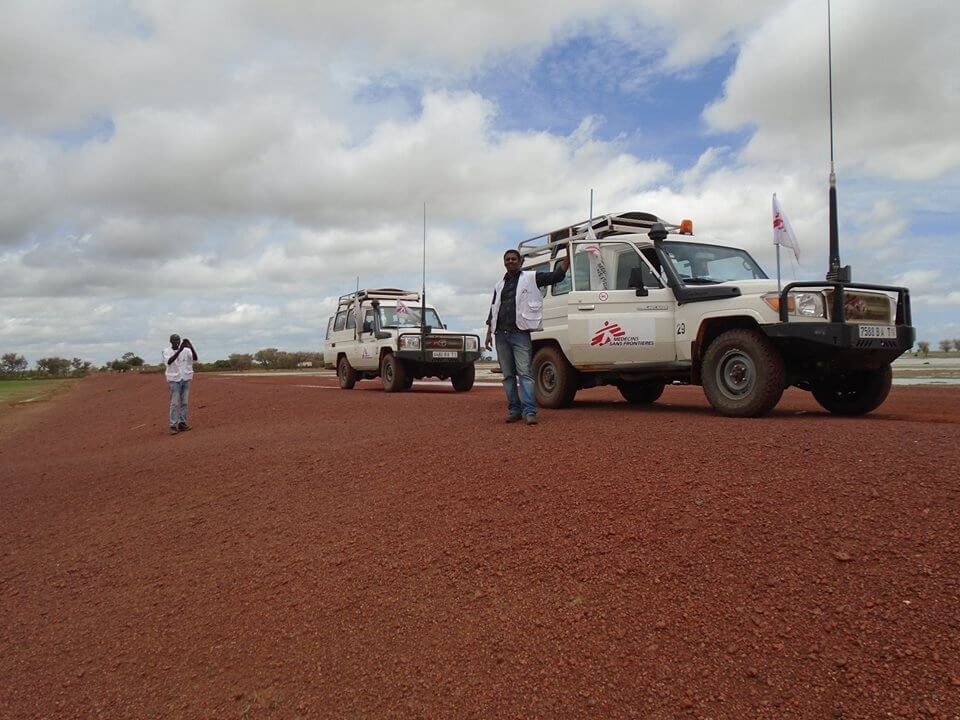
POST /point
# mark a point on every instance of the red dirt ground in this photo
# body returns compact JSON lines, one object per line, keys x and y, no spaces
{"x":311,"y":552}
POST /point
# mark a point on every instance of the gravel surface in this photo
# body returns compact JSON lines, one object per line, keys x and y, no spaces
{"x":311,"y":552}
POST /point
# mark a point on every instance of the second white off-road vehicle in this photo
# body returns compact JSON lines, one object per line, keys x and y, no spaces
{"x":644,"y":305}
{"x":391,"y":334}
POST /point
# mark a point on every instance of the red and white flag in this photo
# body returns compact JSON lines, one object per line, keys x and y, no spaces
{"x":782,"y":231}
{"x":405,"y":315}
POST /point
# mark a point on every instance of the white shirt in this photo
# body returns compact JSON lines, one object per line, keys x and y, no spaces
{"x":181,"y":368}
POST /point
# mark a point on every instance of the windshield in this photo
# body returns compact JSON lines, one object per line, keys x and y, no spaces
{"x":705,"y":264}
{"x":408,"y":317}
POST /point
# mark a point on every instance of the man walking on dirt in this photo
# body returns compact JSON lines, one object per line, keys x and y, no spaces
{"x":178,"y":360}
{"x":516,"y":311}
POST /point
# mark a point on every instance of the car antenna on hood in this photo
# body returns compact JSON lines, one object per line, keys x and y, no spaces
{"x":836,"y":273}
{"x":423,"y":292}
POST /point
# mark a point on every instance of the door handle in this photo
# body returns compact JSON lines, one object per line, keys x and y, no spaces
{"x":583,"y":308}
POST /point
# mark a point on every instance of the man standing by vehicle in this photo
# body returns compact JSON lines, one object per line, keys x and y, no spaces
{"x":516,"y":311}
{"x":178,"y":360}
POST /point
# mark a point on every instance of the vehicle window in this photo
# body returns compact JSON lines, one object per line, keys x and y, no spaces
{"x":351,"y":319}
{"x":368,"y":318}
{"x":340,"y":321}
{"x":562,"y":287}
{"x":699,"y":263}
{"x":329,"y":326}
{"x":607,"y":266}
{"x":409,"y":319}
{"x":650,"y":255}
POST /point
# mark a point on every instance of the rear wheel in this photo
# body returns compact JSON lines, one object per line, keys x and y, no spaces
{"x":463,"y":379}
{"x":854,"y":393}
{"x":393,"y":373}
{"x":743,"y":374}
{"x":346,"y":374}
{"x":641,"y":393}
{"x":554,"y":378}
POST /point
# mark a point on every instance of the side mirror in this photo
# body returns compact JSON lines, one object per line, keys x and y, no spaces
{"x":636,"y":281}
{"x":382,"y":335}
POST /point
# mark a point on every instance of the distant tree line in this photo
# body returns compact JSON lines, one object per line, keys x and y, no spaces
{"x":127,"y":361}
{"x":923,"y":347}
{"x":15,"y":366}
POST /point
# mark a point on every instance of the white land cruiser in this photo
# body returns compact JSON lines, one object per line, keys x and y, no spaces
{"x":393,"y":344}
{"x":646,"y":305}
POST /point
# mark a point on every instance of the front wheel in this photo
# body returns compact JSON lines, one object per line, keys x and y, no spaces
{"x":463,"y":379}
{"x":641,"y":393}
{"x":743,"y":374}
{"x":393,"y":373}
{"x":554,"y":378}
{"x":854,"y":393}
{"x":346,"y":374}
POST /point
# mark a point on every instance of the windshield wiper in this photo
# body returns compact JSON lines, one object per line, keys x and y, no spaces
{"x":700,"y":281}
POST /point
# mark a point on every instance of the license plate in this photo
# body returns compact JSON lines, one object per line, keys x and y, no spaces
{"x":444,"y":354}
{"x":878,"y":331}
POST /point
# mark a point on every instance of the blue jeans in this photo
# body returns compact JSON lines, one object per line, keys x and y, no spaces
{"x":179,"y":394}
{"x":513,"y":352}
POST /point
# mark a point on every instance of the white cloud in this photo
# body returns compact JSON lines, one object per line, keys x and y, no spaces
{"x":896,"y":93}
{"x":228,"y":169}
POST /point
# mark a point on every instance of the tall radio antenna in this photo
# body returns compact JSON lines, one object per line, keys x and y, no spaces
{"x":835,"y":273}
{"x":423,"y":291}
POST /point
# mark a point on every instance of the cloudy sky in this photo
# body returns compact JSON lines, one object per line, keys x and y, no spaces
{"x":226,"y":168}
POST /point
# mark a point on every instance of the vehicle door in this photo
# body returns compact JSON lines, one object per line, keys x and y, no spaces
{"x":368,"y":353}
{"x":338,"y":339}
{"x":610,"y":326}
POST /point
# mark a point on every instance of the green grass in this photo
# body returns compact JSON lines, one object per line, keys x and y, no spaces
{"x":14,"y":391}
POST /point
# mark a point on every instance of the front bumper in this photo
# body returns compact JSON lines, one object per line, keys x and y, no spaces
{"x":453,"y":358}
{"x":839,"y":339}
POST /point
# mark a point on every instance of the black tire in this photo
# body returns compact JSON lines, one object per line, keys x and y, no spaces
{"x":743,"y":374}
{"x":854,"y":393}
{"x":554,"y":378}
{"x":641,"y":393}
{"x":393,"y":373}
{"x":463,"y":379}
{"x":346,"y":374}
{"x":408,"y":383}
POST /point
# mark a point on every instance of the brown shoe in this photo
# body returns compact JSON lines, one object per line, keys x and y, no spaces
{"x":530,"y":419}
{"x":173,"y":430}
{"x":513,"y":417}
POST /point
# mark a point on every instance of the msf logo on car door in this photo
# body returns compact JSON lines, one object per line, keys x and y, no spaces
{"x":607,"y":333}
{"x":635,"y":333}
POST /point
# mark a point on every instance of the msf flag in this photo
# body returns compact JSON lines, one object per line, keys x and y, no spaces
{"x":404,"y":315}
{"x":782,"y":232}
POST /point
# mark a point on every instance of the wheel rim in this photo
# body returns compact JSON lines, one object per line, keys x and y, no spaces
{"x":343,"y":372}
{"x":548,"y":377}
{"x":736,"y":374}
{"x":388,"y":372}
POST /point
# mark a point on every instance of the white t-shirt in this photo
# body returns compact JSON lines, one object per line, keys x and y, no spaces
{"x":181,"y":368}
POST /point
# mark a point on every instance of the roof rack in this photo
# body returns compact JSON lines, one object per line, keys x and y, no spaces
{"x":629,"y":223}
{"x":379,"y":294}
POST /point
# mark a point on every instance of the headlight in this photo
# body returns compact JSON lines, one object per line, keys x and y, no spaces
{"x":804,"y":304}
{"x":809,"y":304}
{"x":471,"y":343}
{"x":409,"y":342}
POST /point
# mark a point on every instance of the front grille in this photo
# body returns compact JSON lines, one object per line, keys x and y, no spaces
{"x":863,"y":307}
{"x":444,"y":342}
